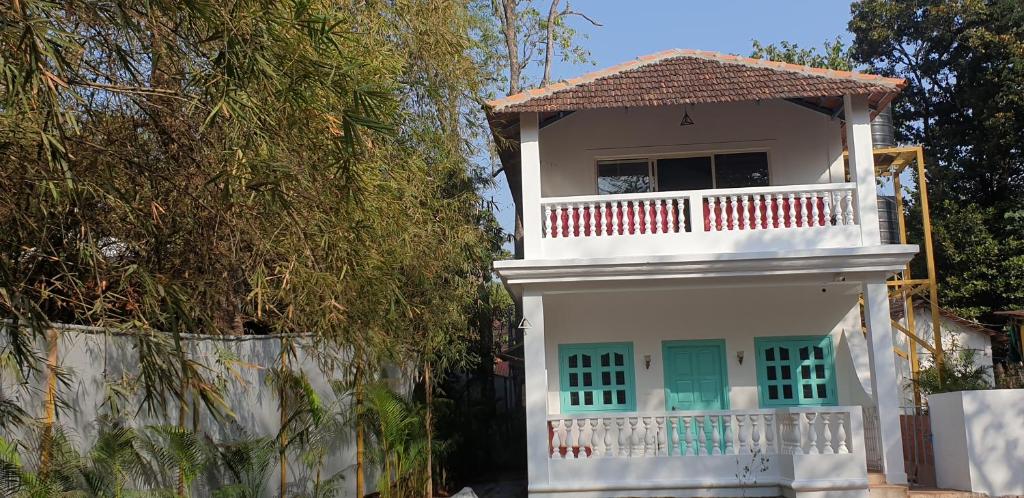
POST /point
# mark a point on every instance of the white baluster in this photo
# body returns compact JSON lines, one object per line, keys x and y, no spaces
{"x":826,"y":201}
{"x":815,"y":213}
{"x":633,"y":436}
{"x":549,"y":226}
{"x":742,"y":433}
{"x":798,"y":439}
{"x":607,"y":423}
{"x":556,"y":441}
{"x":812,"y":435}
{"x":616,"y":217}
{"x":687,"y":437}
{"x":841,"y":435}
{"x":701,"y":439}
{"x":595,"y":442}
{"x":574,"y":222}
{"x":659,"y":219}
{"x":574,"y":437}
{"x":636,"y":218}
{"x":792,"y":210}
{"x":745,"y":219}
{"x":826,"y":433}
{"x":757,"y":212}
{"x":674,"y":427}
{"x":755,"y":433}
{"x":662,"y":444}
{"x":620,"y":423}
{"x":804,"y":213}
{"x":769,"y":434}
{"x":848,"y":215}
{"x":734,"y":209}
{"x":712,"y":216}
{"x":769,"y":212}
{"x":592,"y":223}
{"x":723,"y":215}
{"x":564,"y":432}
{"x":670,"y":210}
{"x":602,"y":218}
{"x":727,"y":421}
{"x":649,"y":437}
{"x":716,"y":439}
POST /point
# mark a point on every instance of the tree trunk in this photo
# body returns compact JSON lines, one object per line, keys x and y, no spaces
{"x":549,"y":47}
{"x":284,"y":418}
{"x":360,"y":442}
{"x":509,"y":19}
{"x":430,"y":432}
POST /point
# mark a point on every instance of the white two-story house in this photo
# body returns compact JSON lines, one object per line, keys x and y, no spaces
{"x":697,"y":230}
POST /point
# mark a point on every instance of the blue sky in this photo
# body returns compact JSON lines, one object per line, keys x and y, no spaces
{"x":639,"y":27}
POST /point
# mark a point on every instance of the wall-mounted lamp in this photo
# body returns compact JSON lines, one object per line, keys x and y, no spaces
{"x":647,"y":362}
{"x":739,"y":357}
{"x":687,"y":120}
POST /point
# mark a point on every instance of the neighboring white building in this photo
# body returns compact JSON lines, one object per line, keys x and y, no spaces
{"x":694,"y":246}
{"x":957,"y":334}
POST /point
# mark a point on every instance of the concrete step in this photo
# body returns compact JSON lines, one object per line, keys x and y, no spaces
{"x":942,"y":493}
{"x":876,"y":478}
{"x":887,"y":491}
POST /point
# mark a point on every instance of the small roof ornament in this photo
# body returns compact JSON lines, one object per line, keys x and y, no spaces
{"x":525,"y":324}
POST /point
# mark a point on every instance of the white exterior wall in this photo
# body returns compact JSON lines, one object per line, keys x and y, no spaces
{"x":979,"y":440}
{"x":737,"y":315}
{"x":952,"y":333}
{"x":803,"y":146}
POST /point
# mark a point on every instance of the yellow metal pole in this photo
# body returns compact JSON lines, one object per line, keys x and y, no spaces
{"x":933,"y":292}
{"x":908,"y":299}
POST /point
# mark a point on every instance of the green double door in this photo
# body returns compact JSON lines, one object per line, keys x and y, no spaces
{"x":695,"y":379}
{"x":695,"y":375}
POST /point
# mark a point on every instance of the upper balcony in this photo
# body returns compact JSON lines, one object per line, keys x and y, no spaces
{"x":692,"y":153}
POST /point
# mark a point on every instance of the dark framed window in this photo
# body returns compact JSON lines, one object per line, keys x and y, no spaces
{"x":795,"y":371}
{"x":623,"y":177}
{"x":596,"y":377}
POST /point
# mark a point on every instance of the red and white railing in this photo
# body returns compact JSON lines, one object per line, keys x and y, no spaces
{"x":653,"y":213}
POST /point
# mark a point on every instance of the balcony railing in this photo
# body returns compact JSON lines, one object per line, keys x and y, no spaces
{"x":719,"y":220}
{"x":807,"y":431}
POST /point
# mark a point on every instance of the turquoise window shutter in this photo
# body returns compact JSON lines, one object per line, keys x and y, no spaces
{"x":795,"y":371}
{"x":596,"y":377}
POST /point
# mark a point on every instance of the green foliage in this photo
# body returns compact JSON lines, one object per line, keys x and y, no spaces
{"x":832,"y":55}
{"x":399,"y":442}
{"x":964,"y":61}
{"x":958,"y":371}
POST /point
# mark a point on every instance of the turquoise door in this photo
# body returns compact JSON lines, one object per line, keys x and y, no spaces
{"x":695,"y":376}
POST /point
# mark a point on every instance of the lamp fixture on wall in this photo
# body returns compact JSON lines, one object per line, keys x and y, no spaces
{"x":687,"y":120}
{"x":647,"y":362}
{"x":739,"y":357}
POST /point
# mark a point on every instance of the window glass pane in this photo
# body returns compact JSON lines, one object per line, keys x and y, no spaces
{"x":574,"y":398}
{"x":819,"y":353}
{"x":606,"y":378}
{"x":771,"y":374}
{"x":587,"y":379}
{"x":822,"y":392}
{"x":573,"y":361}
{"x":773,"y":392}
{"x":588,"y":398}
{"x":684,"y":173}
{"x":574,"y":380}
{"x":769,"y":354}
{"x":819,"y":371}
{"x":804,"y":353}
{"x":807,"y":391}
{"x":586,"y":360}
{"x":784,"y":354}
{"x":787,"y":391}
{"x":805,"y":371}
{"x":620,"y":378}
{"x":607,"y":397}
{"x":621,"y":397}
{"x":618,"y":360}
{"x":623,"y":177}
{"x":786,"y":373}
{"x":605,"y":361}
{"x":748,"y":169}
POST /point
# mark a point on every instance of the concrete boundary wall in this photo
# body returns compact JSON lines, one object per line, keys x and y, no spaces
{"x":93,"y":360}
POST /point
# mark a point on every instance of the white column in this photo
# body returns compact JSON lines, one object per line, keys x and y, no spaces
{"x":529,"y":153}
{"x":534,"y":361}
{"x":884,"y":381}
{"x":862,"y":166}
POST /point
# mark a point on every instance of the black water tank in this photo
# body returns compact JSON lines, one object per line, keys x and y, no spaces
{"x":888,"y":223}
{"x":882,"y":131}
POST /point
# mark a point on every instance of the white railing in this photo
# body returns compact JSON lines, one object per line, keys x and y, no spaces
{"x":642,"y":214}
{"x":807,"y":431}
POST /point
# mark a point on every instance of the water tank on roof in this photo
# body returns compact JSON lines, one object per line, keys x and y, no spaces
{"x":888,"y":224}
{"x":882,"y":132}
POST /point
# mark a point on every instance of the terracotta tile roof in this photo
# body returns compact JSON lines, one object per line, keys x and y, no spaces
{"x":682,"y":76}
